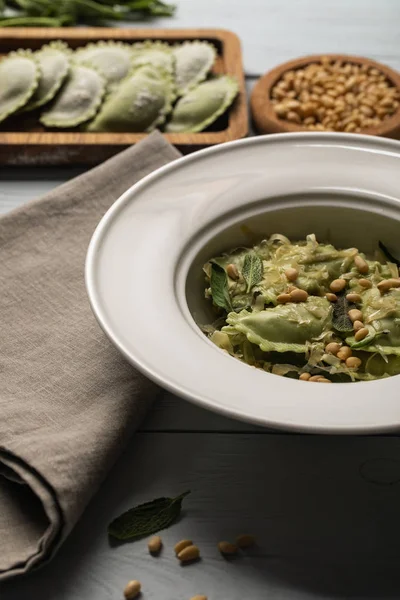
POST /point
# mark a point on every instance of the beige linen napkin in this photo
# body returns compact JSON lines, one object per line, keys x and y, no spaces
{"x":68,"y":401}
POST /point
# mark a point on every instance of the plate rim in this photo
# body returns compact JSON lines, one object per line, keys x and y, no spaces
{"x":371,"y":143}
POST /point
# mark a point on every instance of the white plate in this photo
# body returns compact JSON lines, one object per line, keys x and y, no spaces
{"x":144,"y":278}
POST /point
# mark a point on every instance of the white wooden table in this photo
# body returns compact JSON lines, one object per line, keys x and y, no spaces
{"x":326,"y":511}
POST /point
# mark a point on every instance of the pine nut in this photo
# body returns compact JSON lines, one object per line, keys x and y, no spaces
{"x":353,"y":297}
{"x":232,"y":271}
{"x":355,"y":315}
{"x":361,"y":334}
{"x":182,"y":545}
{"x":331,"y":297}
{"x":332,"y":348}
{"x":324,"y":380}
{"x":132,"y":589}
{"x":199,"y":597}
{"x":298,"y":295}
{"x":315,"y":378}
{"x":305,"y":376}
{"x":245,"y":541}
{"x":361,"y":264}
{"x":227,"y":548}
{"x":283,"y":298}
{"x":189,"y":553}
{"x":291,"y":274}
{"x":357,"y":325}
{"x":353,"y":362}
{"x":155,"y":544}
{"x":365,"y":283}
{"x":338,"y":285}
{"x":344,"y":353}
{"x":387,"y":284}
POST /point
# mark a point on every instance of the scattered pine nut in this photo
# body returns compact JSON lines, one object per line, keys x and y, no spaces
{"x":155,"y":544}
{"x":182,"y":545}
{"x":361,"y":264}
{"x":189,"y":553}
{"x":353,"y":362}
{"x":353,"y":297}
{"x":298,"y":295}
{"x":132,"y":590}
{"x":357,"y":325}
{"x":305,"y":376}
{"x":365,"y":283}
{"x":199,"y":597}
{"x":245,"y":541}
{"x":324,"y":380}
{"x":355,"y":315}
{"x":232,"y":271}
{"x":361,"y":334}
{"x":344,"y":353}
{"x":332,"y":348}
{"x":227,"y":548}
{"x":338,"y":285}
{"x":331,"y":297}
{"x":291,"y":274}
{"x":283,"y":298}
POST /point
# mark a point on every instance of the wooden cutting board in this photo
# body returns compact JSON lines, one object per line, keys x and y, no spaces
{"x":36,"y":146}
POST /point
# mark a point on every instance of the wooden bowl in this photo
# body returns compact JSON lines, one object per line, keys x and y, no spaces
{"x":266,"y":121}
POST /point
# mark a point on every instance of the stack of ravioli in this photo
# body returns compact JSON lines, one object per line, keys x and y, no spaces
{"x":117,"y":87}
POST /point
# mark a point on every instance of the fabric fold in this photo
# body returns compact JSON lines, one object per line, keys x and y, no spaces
{"x":68,"y":400}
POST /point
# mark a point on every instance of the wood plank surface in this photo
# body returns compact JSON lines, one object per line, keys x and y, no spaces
{"x":324,"y":511}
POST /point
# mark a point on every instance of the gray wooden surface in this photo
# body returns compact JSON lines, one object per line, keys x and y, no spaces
{"x":325,"y":510}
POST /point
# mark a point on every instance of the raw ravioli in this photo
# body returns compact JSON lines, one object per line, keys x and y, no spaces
{"x":193,"y":62}
{"x":78,"y":100}
{"x":139,"y":103}
{"x":19,"y":77}
{"x":111,"y":59}
{"x":53,"y":60}
{"x":203,"y":105}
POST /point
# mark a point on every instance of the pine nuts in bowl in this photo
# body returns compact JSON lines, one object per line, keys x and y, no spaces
{"x":329,"y":93}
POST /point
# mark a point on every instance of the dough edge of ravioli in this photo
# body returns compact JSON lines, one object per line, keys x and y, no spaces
{"x":170,"y":97}
{"x":63,"y":48}
{"x":22,"y":53}
{"x":234,"y":90}
{"x":139,"y":50}
{"x":93,"y":109}
{"x":202,"y":74}
{"x":105,"y":45}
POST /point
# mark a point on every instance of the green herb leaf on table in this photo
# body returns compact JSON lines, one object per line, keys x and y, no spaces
{"x":340,"y":317}
{"x":388,"y":255}
{"x":252,"y":270}
{"x":219,"y":287}
{"x":147,"y":518}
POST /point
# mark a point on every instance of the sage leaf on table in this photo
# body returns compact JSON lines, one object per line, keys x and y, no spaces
{"x":252,"y":270}
{"x":219,"y":287}
{"x":146,"y":518}
{"x":388,"y":255}
{"x":340,"y":317}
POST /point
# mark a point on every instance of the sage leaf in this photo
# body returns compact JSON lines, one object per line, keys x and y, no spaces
{"x":219,"y":287}
{"x":340,"y":316}
{"x":146,"y":518}
{"x":252,"y":270}
{"x":388,"y":254}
